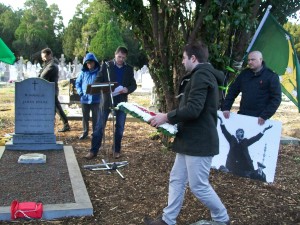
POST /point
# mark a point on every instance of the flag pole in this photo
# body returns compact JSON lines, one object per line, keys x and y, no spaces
{"x":258,"y":29}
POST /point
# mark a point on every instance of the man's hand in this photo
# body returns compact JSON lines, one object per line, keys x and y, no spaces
{"x":260,"y":121}
{"x":159,"y":119}
{"x":226,"y":114}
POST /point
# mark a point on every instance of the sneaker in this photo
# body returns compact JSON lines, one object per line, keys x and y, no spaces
{"x":222,"y":223}
{"x":206,"y":222}
{"x":83,"y":136}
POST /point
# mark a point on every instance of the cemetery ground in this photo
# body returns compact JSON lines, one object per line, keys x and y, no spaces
{"x":144,"y":191}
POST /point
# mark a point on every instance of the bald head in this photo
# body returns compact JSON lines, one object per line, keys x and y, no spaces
{"x":255,"y":60}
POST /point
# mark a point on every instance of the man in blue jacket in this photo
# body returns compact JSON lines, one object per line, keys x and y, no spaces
{"x":89,"y":103}
{"x":260,"y":88}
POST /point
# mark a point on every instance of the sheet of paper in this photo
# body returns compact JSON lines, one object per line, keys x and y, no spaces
{"x":117,"y":90}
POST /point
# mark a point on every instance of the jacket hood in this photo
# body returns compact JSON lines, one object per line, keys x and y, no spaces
{"x":219,"y":75}
{"x":90,"y":57}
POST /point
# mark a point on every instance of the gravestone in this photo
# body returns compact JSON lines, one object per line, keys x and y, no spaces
{"x":20,"y":68}
{"x":34,"y":116}
{"x":62,"y":73}
{"x":6,"y":73}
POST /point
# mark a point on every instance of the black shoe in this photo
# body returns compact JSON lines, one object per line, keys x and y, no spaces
{"x":149,"y":221}
{"x":65,"y":128}
{"x":83,"y":136}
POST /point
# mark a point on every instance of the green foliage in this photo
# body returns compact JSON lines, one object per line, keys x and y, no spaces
{"x":165,"y":26}
{"x":9,"y":21}
{"x":106,"y":40}
{"x":37,"y":30}
{"x":72,"y":34}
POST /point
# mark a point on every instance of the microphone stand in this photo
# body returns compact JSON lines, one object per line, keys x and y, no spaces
{"x":113,"y":115}
{"x":112,"y":107}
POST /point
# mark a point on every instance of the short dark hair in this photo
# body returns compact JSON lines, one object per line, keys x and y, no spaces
{"x":48,"y":51}
{"x":122,"y":49}
{"x":198,"y":49}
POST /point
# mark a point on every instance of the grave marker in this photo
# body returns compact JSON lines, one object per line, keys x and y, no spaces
{"x":34,"y":116}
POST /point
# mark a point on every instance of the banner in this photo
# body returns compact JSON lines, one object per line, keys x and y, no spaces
{"x":6,"y":55}
{"x":278,"y":51}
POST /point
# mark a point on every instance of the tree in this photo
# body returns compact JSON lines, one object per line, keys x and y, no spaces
{"x":9,"y":21}
{"x":164,"y":26}
{"x":96,"y":28}
{"x":72,"y":34}
{"x":82,"y":14}
{"x":103,"y":30}
{"x":36,"y":30}
{"x":58,"y":28}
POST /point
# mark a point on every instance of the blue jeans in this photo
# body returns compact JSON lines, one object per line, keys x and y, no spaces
{"x":99,"y":130}
{"x":194,"y":171}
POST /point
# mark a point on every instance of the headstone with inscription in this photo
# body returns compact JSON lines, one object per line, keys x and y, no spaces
{"x":34,"y":116}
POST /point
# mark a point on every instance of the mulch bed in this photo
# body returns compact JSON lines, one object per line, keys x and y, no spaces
{"x":144,"y":191}
{"x":48,"y":182}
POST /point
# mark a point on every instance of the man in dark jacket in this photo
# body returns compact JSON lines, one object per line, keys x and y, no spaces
{"x":197,"y":140}
{"x":49,"y":72}
{"x":260,"y":88}
{"x":89,"y":102}
{"x":118,"y":71}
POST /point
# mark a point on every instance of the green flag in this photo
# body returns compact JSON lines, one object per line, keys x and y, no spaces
{"x":6,"y":54}
{"x":278,"y":51}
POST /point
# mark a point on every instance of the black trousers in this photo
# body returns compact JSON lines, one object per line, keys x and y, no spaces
{"x":60,"y":111}
{"x":86,"y":109}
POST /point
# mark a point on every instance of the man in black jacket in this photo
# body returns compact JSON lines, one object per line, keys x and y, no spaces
{"x":49,"y":72}
{"x":118,"y":71}
{"x":197,"y":140}
{"x":260,"y":88}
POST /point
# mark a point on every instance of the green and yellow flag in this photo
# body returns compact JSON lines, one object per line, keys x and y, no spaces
{"x":6,"y":55}
{"x":278,"y":51}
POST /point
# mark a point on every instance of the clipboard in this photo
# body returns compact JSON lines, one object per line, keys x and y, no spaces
{"x":97,"y":88}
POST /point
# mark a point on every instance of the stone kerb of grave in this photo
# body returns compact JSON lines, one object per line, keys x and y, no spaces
{"x":34,"y":116}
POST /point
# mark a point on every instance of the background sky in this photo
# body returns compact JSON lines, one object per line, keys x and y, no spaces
{"x":67,"y":8}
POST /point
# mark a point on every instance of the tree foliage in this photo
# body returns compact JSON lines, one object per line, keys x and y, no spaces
{"x":96,"y":28}
{"x":159,"y":28}
{"x":38,"y":29}
{"x":72,"y":44}
{"x":9,"y":21}
{"x":164,"y":26}
{"x":103,"y":31}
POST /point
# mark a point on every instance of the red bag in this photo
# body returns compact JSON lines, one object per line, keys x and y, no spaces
{"x":29,"y":210}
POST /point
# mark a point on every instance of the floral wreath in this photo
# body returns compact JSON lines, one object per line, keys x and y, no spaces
{"x":143,"y":114}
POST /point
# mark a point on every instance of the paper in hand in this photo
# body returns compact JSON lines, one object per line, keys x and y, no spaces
{"x":117,"y":90}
